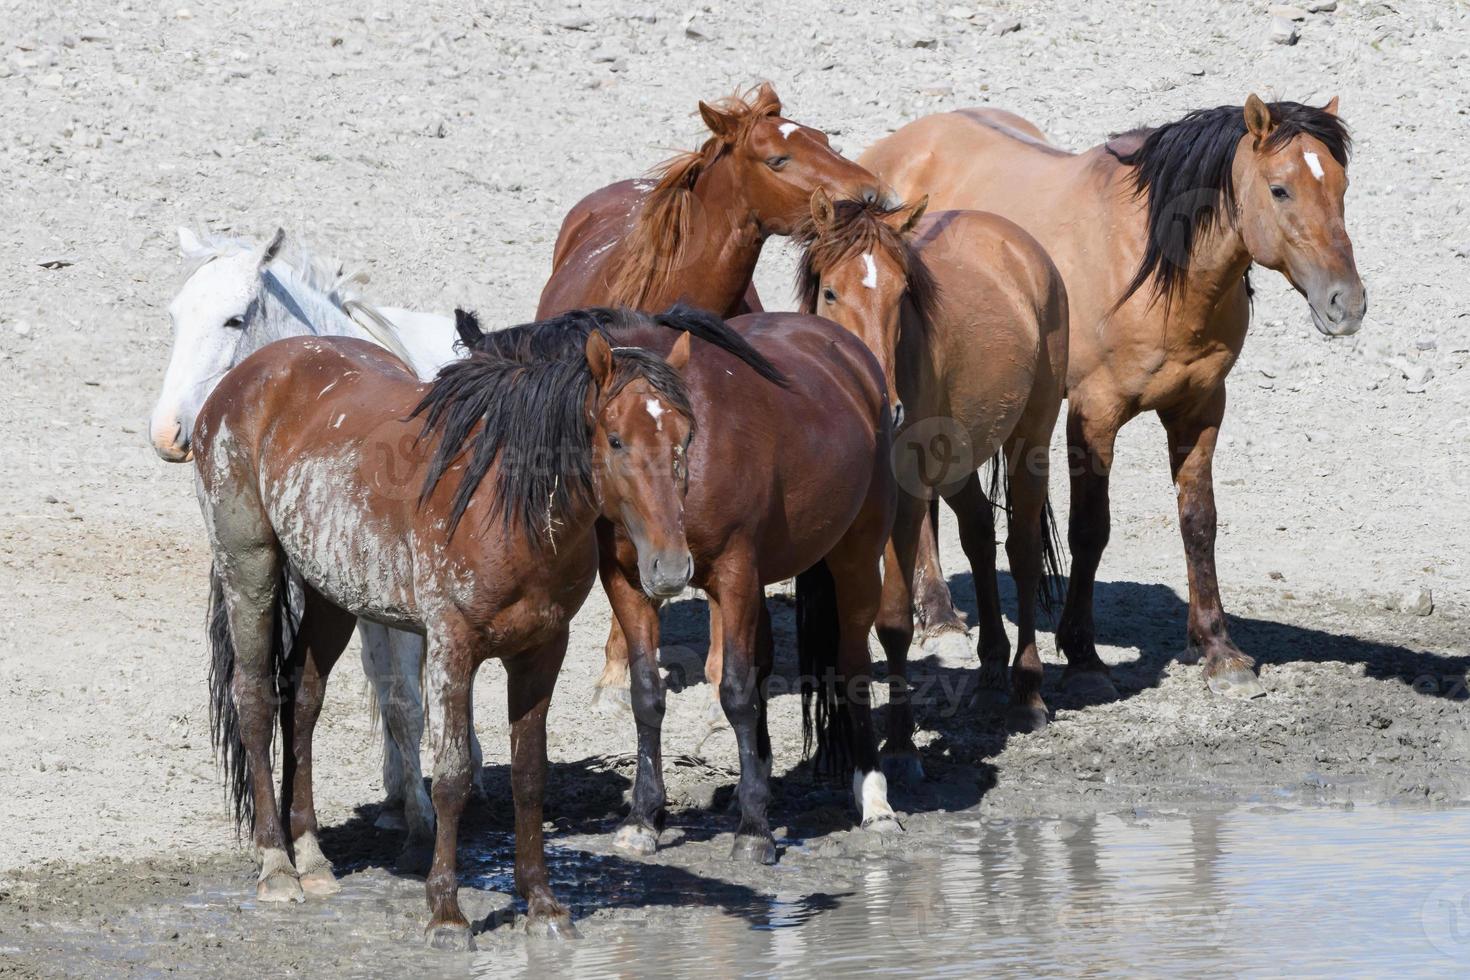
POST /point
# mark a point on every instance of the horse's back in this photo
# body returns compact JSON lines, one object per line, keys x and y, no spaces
{"x":589,"y":235}
{"x":954,"y":156}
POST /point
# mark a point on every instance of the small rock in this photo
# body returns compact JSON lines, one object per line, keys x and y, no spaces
{"x":923,"y":42}
{"x":959,"y":13}
{"x":1419,"y":376}
{"x":53,"y":80}
{"x":437,"y":129}
{"x":574,"y":22}
{"x":1283,"y":31}
{"x":1321,"y":6}
{"x":1288,"y":12}
{"x":184,"y":13}
{"x":1462,"y":250}
{"x":1425,"y":343}
{"x":937,"y":90}
{"x":1276,"y":576}
{"x":21,"y":327}
{"x":1002,"y":26}
{"x":1417,"y":602}
{"x":696,"y":30}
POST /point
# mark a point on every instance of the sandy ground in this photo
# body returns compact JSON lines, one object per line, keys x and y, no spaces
{"x":438,"y":146}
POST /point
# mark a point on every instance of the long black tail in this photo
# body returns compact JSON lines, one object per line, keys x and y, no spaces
{"x":824,"y":712}
{"x":1052,"y":591}
{"x":224,"y":718}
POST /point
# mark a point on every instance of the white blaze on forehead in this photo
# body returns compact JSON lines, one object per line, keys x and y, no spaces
{"x":1313,"y":163}
{"x":786,"y":129}
{"x":870,"y":278}
{"x":655,"y":409}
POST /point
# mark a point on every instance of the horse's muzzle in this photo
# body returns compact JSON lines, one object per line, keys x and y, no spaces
{"x":1340,"y":313}
{"x":667,"y":574}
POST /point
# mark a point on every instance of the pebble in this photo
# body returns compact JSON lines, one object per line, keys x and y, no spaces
{"x":1419,"y":376}
{"x":21,"y":327}
{"x":575,"y":22}
{"x":1321,"y":6}
{"x":1283,"y":31}
{"x":1288,"y":12}
{"x":1417,"y":602}
{"x":1002,"y":26}
{"x":184,"y":13}
{"x":1425,"y":343}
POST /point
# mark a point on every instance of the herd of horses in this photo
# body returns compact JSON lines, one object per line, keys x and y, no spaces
{"x":452,"y":491}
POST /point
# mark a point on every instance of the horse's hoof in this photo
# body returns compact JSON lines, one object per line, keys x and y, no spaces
{"x":633,"y":838}
{"x":415,"y":858}
{"x":552,"y":927}
{"x":883,"y":824}
{"x":902,"y":768}
{"x":279,"y":886}
{"x":391,"y":818}
{"x":756,"y":849}
{"x":951,"y":647}
{"x":1236,"y":682}
{"x":1090,"y":686}
{"x":453,"y":937}
{"x":613,"y":700}
{"x":320,"y":883}
{"x":1023,"y":719}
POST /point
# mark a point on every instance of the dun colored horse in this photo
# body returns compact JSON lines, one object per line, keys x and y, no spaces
{"x":1154,"y":233}
{"x":529,"y":457}
{"x":968,"y":317}
{"x":790,"y":471}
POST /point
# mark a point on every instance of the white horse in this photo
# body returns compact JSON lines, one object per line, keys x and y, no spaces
{"x":237,"y":298}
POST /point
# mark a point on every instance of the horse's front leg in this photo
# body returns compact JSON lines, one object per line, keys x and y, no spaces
{"x":530,"y":679}
{"x":451,"y":667}
{"x":638,"y":617}
{"x":741,"y":600}
{"x":1192,"y":437}
{"x":933,"y":604}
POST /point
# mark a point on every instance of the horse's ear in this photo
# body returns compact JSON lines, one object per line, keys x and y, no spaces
{"x":915,"y":214}
{"x":190,"y":243}
{"x":1331,"y":107}
{"x":767,"y":102}
{"x":272,"y":248}
{"x":722,"y":124}
{"x":1258,"y":117}
{"x":679,"y":357}
{"x":599,"y":359}
{"x":823,"y":214}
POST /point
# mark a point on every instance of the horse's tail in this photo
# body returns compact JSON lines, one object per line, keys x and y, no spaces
{"x":1051,"y":592}
{"x":224,"y":716}
{"x":824,"y":712}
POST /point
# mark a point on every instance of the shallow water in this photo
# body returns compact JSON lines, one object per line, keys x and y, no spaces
{"x":1257,"y":891}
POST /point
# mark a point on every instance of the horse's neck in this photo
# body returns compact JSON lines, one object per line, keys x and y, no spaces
{"x":290,"y":308}
{"x":724,"y":255}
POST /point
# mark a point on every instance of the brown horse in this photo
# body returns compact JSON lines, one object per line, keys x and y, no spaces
{"x":694,"y":234}
{"x":968,"y":316}
{"x":309,"y":456}
{"x":1154,"y":233}
{"x":795,"y":474}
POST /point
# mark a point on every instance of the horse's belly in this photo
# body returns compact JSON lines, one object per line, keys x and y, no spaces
{"x":330,"y":533}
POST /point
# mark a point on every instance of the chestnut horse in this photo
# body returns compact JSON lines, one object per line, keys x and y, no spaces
{"x":693,"y":236}
{"x":1154,"y":233}
{"x":968,"y":317}
{"x":538,"y":454}
{"x":794,"y":475}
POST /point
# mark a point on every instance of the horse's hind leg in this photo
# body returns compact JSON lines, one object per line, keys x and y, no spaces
{"x":611,"y":694}
{"x":975,"y":515}
{"x":858,"y":583}
{"x":251,"y":585}
{"x":322,"y":635}
{"x":932,"y":601}
{"x":895,"y":627}
{"x":401,"y":703}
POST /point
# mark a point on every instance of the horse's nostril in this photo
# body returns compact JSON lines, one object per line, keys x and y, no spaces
{"x":870,"y":195}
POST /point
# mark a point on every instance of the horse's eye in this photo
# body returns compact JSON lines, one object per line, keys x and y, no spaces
{"x":614,"y":442}
{"x":236,"y":322}
{"x":776,"y":163}
{"x":1279,"y":192}
{"x":828,"y":295}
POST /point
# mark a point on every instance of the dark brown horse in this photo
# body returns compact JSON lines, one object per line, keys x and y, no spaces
{"x":1154,"y":233}
{"x":309,"y":455}
{"x":790,"y":471}
{"x":968,"y":317}
{"x":693,"y":234}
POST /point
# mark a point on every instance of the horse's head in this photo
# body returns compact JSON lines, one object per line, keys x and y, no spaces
{"x":859,"y":268}
{"x":777,"y":164}
{"x":211,"y":316}
{"x":1290,"y":177}
{"x":642,"y":426}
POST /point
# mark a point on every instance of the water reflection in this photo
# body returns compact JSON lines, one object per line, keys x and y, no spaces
{"x":1261,"y":892}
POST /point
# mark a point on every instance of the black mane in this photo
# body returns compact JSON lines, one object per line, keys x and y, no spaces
{"x":566,"y":335}
{"x":1183,"y":169}
{"x":531,"y":412}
